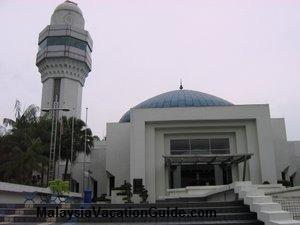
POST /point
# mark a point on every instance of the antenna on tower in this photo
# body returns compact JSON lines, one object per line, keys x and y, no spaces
{"x":180,"y":87}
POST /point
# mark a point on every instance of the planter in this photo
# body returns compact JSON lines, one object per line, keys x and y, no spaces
{"x":115,"y":198}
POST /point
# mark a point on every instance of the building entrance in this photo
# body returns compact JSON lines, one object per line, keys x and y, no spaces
{"x":199,"y":170}
{"x":197,"y":175}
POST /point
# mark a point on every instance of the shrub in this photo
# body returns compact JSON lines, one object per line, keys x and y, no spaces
{"x":58,"y":186}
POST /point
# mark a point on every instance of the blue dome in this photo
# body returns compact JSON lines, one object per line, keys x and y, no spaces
{"x":178,"y":98}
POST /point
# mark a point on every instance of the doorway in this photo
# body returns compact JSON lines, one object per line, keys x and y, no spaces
{"x":227,"y":175}
{"x":197,"y":175}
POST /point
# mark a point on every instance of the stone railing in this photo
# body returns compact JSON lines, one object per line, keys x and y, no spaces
{"x":17,"y":193}
{"x":290,"y":204}
{"x":197,"y":191}
{"x":289,"y":198}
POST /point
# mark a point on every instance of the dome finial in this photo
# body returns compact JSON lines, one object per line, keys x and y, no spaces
{"x":71,"y":2}
{"x":180,"y":87}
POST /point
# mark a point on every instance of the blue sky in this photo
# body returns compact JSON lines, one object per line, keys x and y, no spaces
{"x":246,"y":52}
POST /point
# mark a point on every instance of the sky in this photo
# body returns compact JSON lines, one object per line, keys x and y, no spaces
{"x":246,"y":52}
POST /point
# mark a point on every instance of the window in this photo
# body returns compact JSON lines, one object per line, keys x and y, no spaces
{"x":200,"y":146}
{"x":64,"y":40}
{"x":180,"y":146}
{"x":219,"y":145}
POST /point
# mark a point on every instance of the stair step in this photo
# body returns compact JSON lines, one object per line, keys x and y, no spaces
{"x":130,"y":205}
{"x":221,"y":209}
{"x":229,"y":222}
{"x":219,"y":217}
{"x":227,"y":213}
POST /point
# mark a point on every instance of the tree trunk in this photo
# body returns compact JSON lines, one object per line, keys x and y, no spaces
{"x":66,"y":169}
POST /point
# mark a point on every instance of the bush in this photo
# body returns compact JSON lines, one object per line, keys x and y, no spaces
{"x":102,"y":198}
{"x":58,"y":186}
{"x":126,"y":191}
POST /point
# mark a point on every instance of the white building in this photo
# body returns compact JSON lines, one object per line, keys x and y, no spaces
{"x":176,"y":139}
{"x":185,"y":138}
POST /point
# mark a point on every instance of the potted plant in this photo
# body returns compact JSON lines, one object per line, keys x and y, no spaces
{"x":126,"y":191}
{"x":144,"y":194}
{"x":59,"y":188}
{"x":102,"y":199}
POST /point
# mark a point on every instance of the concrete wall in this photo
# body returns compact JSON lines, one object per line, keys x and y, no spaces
{"x":284,"y":150}
{"x":72,"y":74}
{"x":297,"y":159}
{"x":71,"y":97}
{"x":118,"y":151}
{"x":47,"y":94}
{"x":95,"y":162}
{"x":16,"y":193}
{"x":77,"y":171}
{"x":98,"y":166}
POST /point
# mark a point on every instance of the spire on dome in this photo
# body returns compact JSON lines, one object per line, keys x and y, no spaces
{"x":180,"y":87}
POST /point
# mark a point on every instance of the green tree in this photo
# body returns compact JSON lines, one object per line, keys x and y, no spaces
{"x":21,"y":163}
{"x":23,"y":148}
{"x":78,"y":140}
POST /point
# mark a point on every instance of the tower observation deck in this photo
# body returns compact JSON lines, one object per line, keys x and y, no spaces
{"x":64,"y":58}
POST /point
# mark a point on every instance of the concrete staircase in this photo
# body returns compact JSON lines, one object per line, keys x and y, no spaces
{"x":229,"y":213}
{"x":267,"y":211}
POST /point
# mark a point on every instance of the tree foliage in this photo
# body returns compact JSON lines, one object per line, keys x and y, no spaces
{"x":78,"y":139}
{"x":24,"y":147}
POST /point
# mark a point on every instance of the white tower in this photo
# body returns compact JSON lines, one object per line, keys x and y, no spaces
{"x":64,"y":58}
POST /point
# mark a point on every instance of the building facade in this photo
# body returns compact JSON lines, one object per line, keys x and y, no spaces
{"x":187,"y":138}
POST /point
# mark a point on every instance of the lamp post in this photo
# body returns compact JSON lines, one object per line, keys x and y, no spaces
{"x":54,"y":110}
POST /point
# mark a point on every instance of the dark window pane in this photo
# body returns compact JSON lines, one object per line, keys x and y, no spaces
{"x":219,"y":146}
{"x":180,"y":146}
{"x":69,"y":41}
{"x":219,"y":143}
{"x":43,"y":45}
{"x":200,"y":146}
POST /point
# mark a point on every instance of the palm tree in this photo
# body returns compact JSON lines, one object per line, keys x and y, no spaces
{"x":24,"y":147}
{"x":78,"y":141}
{"x":20,"y":164}
{"x":22,"y":119}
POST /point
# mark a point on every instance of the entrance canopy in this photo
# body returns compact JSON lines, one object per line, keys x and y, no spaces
{"x":223,"y":160}
{"x":213,"y":159}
